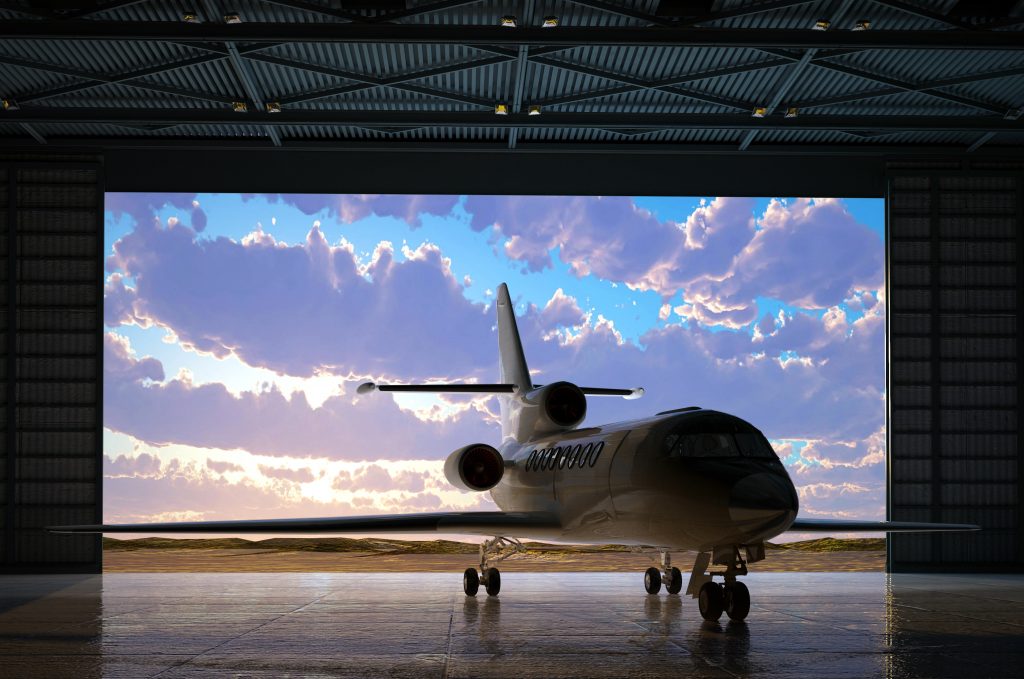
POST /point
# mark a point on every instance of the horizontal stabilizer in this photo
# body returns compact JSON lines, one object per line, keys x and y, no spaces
{"x":367,"y":387}
{"x":474,"y":523}
{"x":848,"y":526}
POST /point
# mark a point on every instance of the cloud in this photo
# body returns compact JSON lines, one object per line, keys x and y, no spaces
{"x":351,"y":207}
{"x":561,"y":310}
{"x":374,"y":477}
{"x":141,"y":466}
{"x":222,"y":467}
{"x":208,"y":415}
{"x":304,"y":308}
{"x":296,"y":475}
{"x":807,"y":253}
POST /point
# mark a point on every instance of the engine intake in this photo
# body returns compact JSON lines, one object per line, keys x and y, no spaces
{"x":477,"y":467}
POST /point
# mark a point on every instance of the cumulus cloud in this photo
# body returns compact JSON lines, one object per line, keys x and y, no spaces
{"x":304,"y":308}
{"x":351,"y":207}
{"x":296,"y":475}
{"x":143,"y":465}
{"x":808,"y":253}
{"x":208,"y":415}
{"x":561,"y":310}
{"x":222,"y":467}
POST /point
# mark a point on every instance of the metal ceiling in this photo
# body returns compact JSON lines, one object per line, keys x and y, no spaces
{"x":612,"y":75}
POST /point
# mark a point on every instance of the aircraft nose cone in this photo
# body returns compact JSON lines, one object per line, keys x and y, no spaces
{"x":763,"y":499}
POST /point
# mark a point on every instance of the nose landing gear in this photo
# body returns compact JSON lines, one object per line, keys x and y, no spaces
{"x":668,"y":575}
{"x":491,"y":551}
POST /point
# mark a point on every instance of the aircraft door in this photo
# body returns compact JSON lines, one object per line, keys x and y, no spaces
{"x":581,"y":483}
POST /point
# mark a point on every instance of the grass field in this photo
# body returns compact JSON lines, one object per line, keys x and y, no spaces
{"x":376,"y":555}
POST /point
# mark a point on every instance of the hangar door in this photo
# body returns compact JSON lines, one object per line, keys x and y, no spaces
{"x":954,"y":341}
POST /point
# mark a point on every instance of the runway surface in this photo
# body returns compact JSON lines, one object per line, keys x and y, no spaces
{"x":542,"y":625}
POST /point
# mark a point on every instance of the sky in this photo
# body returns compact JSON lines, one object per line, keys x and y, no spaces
{"x":239,"y":325}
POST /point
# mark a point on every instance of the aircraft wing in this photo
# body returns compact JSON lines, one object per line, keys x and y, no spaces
{"x":473,"y":523}
{"x":847,"y":526}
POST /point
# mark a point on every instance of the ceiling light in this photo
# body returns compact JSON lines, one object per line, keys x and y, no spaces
{"x":533,"y":110}
{"x":190,"y":17}
{"x":501,"y":109}
{"x":549,"y":22}
{"x":509,"y":22}
{"x":273,"y":107}
{"x":791,"y":112}
{"x":232,"y":18}
{"x":760,"y":112}
{"x":822,"y":24}
{"x":862,"y":25}
{"x":239,"y":106}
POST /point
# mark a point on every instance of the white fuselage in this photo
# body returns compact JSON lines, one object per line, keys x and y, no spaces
{"x":621,"y":483}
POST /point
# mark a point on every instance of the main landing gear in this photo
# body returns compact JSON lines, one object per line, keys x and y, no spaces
{"x":731,"y":597}
{"x":491,"y":551}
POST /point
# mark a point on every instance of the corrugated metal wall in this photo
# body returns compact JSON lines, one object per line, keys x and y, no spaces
{"x":51,"y":248}
{"x":954,"y":280}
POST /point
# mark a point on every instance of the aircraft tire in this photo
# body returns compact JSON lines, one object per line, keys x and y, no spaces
{"x":652,"y":580}
{"x":492,"y":581}
{"x":675,"y":582}
{"x":470,"y":582}
{"x":711,"y":601}
{"x":737,"y":601}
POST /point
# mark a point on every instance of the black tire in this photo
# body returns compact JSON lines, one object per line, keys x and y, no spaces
{"x":711,"y":601}
{"x":737,"y":601}
{"x":492,"y":581}
{"x":470,"y":582}
{"x":675,"y":582}
{"x":652,"y":580}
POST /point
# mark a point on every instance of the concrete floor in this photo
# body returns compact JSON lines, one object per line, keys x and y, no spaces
{"x":543,"y":625}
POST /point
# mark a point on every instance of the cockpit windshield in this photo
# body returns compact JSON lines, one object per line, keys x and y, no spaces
{"x":712,"y":435}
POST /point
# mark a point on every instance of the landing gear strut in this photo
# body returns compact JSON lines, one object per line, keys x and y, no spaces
{"x":491,"y":551}
{"x":732,"y":597}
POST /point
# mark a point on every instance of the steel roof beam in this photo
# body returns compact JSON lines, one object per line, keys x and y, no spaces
{"x":167,"y":31}
{"x":489,"y":120}
{"x":369,"y":82}
{"x":34,"y":133}
{"x":694,"y":21}
{"x":792,"y":75}
{"x":641,"y":84}
{"x":243,"y":75}
{"x":896,"y":86}
{"x":519,"y":75}
{"x":98,"y":79}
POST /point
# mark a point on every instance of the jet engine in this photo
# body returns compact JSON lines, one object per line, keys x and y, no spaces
{"x":557,"y":406}
{"x":476,"y":467}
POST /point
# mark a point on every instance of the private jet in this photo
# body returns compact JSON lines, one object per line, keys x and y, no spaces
{"x":687,"y":479}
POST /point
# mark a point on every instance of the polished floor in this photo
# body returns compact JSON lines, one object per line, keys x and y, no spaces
{"x":542,"y":625}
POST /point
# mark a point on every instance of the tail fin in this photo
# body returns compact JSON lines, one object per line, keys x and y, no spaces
{"x":511,"y":361}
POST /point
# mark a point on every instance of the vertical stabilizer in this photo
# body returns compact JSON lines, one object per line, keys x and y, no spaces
{"x":511,"y":361}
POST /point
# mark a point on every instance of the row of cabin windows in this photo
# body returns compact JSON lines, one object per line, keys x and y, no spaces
{"x":564,"y":457}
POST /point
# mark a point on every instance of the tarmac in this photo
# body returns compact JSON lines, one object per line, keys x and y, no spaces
{"x":818,"y":625}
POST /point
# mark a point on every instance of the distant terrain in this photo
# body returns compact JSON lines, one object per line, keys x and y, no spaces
{"x":374,"y":554}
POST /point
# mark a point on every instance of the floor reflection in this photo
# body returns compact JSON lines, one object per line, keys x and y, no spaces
{"x":542,"y":625}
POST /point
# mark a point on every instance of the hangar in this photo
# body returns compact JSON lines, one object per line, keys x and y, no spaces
{"x":917,"y":102}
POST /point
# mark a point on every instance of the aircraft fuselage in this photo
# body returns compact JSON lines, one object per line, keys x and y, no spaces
{"x":680,"y":480}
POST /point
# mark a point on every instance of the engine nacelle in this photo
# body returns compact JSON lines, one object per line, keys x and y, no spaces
{"x":476,"y":467}
{"x":557,"y":406}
